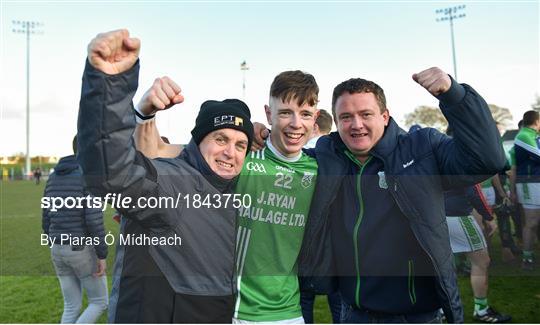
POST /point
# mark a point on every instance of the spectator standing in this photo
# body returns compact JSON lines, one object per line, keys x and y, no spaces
{"x":527,"y":181}
{"x":467,"y":237}
{"x":37,"y":175}
{"x":78,"y":266}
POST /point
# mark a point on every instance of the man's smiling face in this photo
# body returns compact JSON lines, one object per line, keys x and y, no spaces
{"x":291,"y":123}
{"x":360,"y":122}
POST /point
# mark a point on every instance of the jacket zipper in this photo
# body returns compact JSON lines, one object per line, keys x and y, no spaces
{"x":357,"y":225}
{"x":412,"y":292}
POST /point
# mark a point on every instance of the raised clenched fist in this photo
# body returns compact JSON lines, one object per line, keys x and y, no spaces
{"x":113,"y":52}
{"x":163,"y":94}
{"x":434,"y":80}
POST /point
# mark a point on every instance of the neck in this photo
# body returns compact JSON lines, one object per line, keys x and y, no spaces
{"x":291,"y":157}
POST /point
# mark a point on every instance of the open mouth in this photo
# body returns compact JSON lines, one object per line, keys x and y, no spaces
{"x":359,"y":135}
{"x":293,"y":136}
{"x":224,"y":164}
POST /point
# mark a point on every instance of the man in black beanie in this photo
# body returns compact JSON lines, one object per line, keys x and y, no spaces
{"x":188,"y":273}
{"x":216,"y":120}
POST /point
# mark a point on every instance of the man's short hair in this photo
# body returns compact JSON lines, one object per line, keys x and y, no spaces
{"x":530,"y":117}
{"x":358,"y":85}
{"x":295,"y":85}
{"x":324,"y":121}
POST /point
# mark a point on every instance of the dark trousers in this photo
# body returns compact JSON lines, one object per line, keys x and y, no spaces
{"x":145,"y":296}
{"x":351,"y":315}
{"x":150,"y":299}
{"x":307,"y":299}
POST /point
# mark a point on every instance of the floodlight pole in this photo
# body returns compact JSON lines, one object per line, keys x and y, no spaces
{"x":244,"y":67}
{"x":28,"y":159}
{"x":27,"y":27}
{"x":453,"y":47}
{"x":449,"y":14}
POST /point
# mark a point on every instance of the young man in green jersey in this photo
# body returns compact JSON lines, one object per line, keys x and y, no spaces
{"x":526,"y":183}
{"x":280,"y":180}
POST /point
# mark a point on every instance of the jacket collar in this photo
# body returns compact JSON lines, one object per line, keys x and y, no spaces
{"x":194,"y":158}
{"x":388,"y":143}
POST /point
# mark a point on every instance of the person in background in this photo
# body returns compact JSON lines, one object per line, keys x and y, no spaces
{"x":323,"y":126}
{"x":467,"y":237}
{"x":526,"y":185}
{"x":37,"y":175}
{"x":78,"y":266}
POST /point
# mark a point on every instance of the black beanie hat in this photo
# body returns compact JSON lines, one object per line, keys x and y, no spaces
{"x":215,"y":115}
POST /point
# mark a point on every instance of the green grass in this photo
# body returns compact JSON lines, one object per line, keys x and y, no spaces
{"x":30,"y":293}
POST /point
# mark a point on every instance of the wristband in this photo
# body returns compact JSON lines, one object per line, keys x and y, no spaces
{"x":141,"y":118}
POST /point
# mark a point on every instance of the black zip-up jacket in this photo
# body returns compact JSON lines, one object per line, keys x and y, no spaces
{"x":67,"y":181}
{"x":419,"y":167}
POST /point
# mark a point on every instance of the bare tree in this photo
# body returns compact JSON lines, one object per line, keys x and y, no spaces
{"x":427,"y":116}
{"x":501,"y":115}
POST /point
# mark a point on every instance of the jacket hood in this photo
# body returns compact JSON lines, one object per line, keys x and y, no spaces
{"x":193,"y":156}
{"x":66,"y":165}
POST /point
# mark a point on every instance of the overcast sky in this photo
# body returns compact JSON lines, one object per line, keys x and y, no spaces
{"x":202,"y":44}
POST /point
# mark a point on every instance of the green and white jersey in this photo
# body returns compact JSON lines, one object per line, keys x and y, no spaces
{"x":527,"y":156}
{"x":270,"y":233}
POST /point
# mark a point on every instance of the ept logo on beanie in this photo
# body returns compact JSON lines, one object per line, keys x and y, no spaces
{"x":228,"y":119}
{"x":215,"y":115}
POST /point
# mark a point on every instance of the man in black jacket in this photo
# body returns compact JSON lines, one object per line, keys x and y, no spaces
{"x":386,"y":222}
{"x":78,"y":265}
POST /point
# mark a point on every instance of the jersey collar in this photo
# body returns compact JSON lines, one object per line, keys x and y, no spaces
{"x":279,"y":154}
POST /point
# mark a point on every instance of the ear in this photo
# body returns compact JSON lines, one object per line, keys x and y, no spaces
{"x":386,"y":117}
{"x":268,"y":112}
